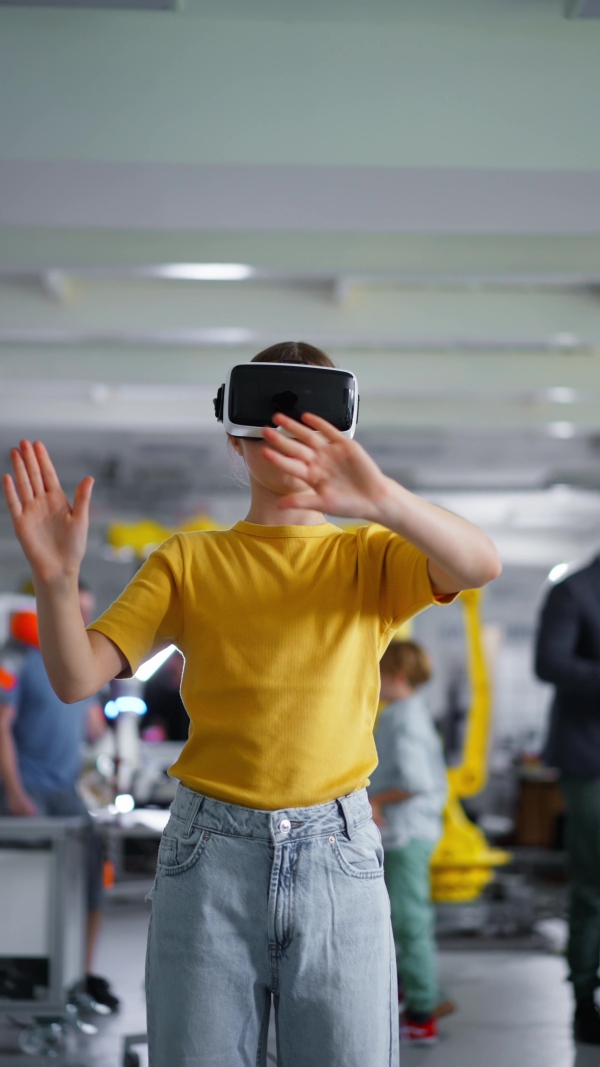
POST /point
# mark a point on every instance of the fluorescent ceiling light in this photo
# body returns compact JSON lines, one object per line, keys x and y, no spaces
{"x":561,"y":394}
{"x":561,"y":429}
{"x":566,"y":340}
{"x":558,"y":572}
{"x":205,"y":272}
{"x":148,"y":668}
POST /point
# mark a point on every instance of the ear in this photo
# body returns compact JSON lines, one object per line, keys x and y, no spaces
{"x":235,"y":443}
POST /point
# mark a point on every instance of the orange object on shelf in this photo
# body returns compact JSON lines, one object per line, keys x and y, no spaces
{"x":24,"y":628}
{"x":108,"y":878}
{"x":7,"y":680}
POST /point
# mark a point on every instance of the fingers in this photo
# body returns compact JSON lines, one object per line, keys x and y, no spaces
{"x":34,"y":471}
{"x":32,"y":467}
{"x":23,"y":484}
{"x":328,"y":431}
{"x":81,"y":500}
{"x":12,"y":497}
{"x":47,"y":470}
{"x":301,"y":432}
{"x":297,"y":467}
{"x":289,"y":446}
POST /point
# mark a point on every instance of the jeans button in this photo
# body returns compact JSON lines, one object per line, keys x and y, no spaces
{"x":285,"y":826}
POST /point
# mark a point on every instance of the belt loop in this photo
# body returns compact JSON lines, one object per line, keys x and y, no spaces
{"x":195,"y":809}
{"x":348,"y":819}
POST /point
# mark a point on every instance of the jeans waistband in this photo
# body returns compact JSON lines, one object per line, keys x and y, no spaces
{"x":343,"y":815}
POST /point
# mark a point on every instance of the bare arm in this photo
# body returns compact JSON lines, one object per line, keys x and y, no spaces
{"x":16,"y":798}
{"x":78,"y":662}
{"x":390,"y":796}
{"x":460,"y":555}
{"x":96,"y":723}
{"x":53,"y":536}
{"x":342,"y":479}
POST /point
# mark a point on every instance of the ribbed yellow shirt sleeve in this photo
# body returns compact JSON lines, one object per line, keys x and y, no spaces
{"x":399,"y":571}
{"x":148,"y":615}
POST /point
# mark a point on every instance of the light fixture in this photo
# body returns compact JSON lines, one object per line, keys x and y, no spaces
{"x":566,"y":341}
{"x":148,"y":668}
{"x":558,"y":572}
{"x":125,"y":703}
{"x":561,"y":429}
{"x":124,"y":803}
{"x":561,"y":394}
{"x":204,"y":272}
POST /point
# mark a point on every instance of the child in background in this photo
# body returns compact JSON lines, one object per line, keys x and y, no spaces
{"x":407,"y":794}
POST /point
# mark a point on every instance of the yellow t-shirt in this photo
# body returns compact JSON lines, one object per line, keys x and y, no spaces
{"x":282,"y":629}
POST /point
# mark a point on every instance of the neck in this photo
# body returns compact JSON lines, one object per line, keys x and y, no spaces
{"x":265,"y":511}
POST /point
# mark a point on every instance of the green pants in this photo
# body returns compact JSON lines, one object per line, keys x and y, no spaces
{"x":582,"y":797}
{"x":408,"y":881}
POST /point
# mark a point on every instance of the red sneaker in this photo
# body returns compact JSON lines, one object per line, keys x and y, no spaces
{"x":419,"y":1033}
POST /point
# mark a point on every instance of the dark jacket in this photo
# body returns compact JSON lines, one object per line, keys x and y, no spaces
{"x":568,"y":655}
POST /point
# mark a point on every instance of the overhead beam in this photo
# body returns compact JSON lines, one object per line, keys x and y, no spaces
{"x":236,"y":337}
{"x":271,"y":198}
{"x":69,"y":404}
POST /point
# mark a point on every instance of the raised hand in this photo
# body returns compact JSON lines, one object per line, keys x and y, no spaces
{"x":342,"y":478}
{"x":52,"y":534}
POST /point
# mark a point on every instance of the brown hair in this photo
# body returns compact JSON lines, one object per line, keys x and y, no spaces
{"x":409,"y":659}
{"x":294,"y":352}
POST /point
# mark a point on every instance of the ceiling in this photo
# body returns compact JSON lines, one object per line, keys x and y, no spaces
{"x":413,"y":185}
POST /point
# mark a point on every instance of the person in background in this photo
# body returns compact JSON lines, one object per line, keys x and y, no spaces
{"x":407,"y":793}
{"x":568,"y":656}
{"x":40,"y":753}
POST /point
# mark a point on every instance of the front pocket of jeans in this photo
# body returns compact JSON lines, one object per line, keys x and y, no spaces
{"x":177,"y":853}
{"x":362,"y":856}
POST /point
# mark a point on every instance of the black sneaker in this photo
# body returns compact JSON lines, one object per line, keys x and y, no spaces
{"x":586,"y":1026}
{"x":99,"y":990}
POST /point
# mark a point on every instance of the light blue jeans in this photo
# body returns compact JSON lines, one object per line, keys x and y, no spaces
{"x":251,"y":905}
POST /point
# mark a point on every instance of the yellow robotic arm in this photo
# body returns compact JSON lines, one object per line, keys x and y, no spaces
{"x":463,"y":863}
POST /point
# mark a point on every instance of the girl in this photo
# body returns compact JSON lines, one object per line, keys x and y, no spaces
{"x":408,"y":792}
{"x":270,"y":871}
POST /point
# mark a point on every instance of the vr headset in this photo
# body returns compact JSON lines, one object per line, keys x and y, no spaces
{"x":255,"y":392}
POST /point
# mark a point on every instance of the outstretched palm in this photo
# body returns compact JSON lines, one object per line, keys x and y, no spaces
{"x":342,"y":478}
{"x":52,"y":534}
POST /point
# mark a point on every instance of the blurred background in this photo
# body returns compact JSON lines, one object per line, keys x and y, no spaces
{"x":413,"y":185}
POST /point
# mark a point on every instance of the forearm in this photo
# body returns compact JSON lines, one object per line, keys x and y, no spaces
{"x":390,"y":796}
{"x":76,"y":668}
{"x":9,"y":770}
{"x":461,"y":555}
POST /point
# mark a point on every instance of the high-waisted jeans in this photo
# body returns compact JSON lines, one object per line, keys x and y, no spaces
{"x":250,"y":906}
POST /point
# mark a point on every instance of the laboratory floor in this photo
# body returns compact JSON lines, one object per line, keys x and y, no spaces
{"x":514,"y":1006}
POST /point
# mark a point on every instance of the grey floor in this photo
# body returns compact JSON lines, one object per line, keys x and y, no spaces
{"x":514,"y":1006}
